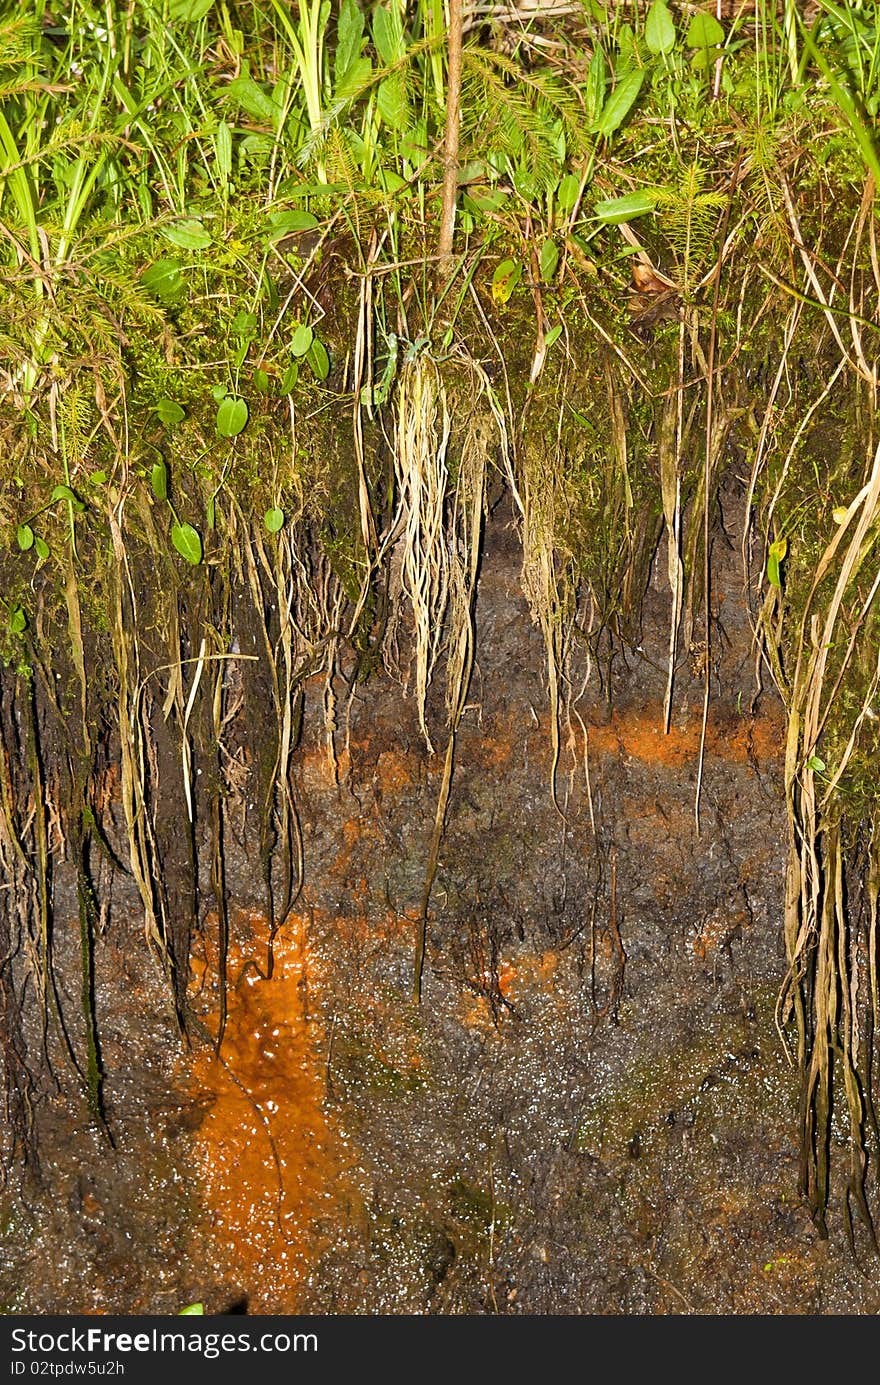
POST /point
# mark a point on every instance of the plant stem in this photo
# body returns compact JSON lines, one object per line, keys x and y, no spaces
{"x":450,"y":143}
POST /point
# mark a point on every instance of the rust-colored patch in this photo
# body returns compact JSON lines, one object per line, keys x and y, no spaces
{"x":718,"y":931}
{"x":396,"y":771}
{"x":642,"y":737}
{"x":639,"y":735}
{"x":265,"y":1152}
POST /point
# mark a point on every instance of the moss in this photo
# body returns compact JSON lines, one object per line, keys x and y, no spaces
{"x":359,"y":1066}
{"x":626,"y":1118}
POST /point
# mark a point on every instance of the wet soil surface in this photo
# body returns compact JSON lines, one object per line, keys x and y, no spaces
{"x":590,"y":1112}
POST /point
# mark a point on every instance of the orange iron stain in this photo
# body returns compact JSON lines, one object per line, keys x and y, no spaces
{"x":264,"y":1150}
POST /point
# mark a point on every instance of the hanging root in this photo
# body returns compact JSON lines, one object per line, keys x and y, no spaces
{"x":831,"y":988}
{"x":442,"y":543}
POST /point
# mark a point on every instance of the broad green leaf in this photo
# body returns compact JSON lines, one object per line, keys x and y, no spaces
{"x":391,"y":181}
{"x":41,"y":548}
{"x":257,"y":148}
{"x":505,"y":279}
{"x":252,"y":99}
{"x":659,"y":28}
{"x":817,"y":764}
{"x":625,"y":208}
{"x":24,"y":536}
{"x":244,"y":324}
{"x":189,"y":11}
{"x":388,"y":35}
{"x":290,"y":377}
{"x":261,"y":380}
{"x":192,"y":1310}
{"x":164,"y":279}
{"x":98,"y":478}
{"x":232,"y":415}
{"x":704,"y":31}
{"x":354,"y":78}
{"x":273,"y":520}
{"x":170,"y":413}
{"x":526,"y":183}
{"x":620,"y":102}
{"x":187,"y":542}
{"x":567,"y":192}
{"x":548,"y":260}
{"x":318,"y":359}
{"x":301,"y":340}
{"x":487,"y":201}
{"x":349,"y":38}
{"x":553,"y":335}
{"x":188,"y":235}
{"x":391,"y":102}
{"x":597,"y":82}
{"x":290,"y":223}
{"x":18,"y":621}
{"x":159,"y":481}
{"x":219,"y":392}
{"x":62,"y":492}
{"x":775,"y":555}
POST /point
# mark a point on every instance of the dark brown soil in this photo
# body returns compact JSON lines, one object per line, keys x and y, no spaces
{"x":591,"y":1111}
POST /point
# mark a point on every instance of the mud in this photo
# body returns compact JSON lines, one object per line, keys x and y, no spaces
{"x":592,"y":1110}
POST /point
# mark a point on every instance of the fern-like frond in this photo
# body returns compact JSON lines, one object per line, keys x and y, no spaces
{"x":528,"y":117}
{"x":19,"y":36}
{"x":541,"y":91}
{"x":689,"y":219}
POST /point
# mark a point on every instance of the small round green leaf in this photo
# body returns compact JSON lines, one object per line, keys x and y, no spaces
{"x":187,"y":542}
{"x":232,"y":415}
{"x":318,"y":359}
{"x":192,"y":1310}
{"x":290,"y":377}
{"x":704,"y":31}
{"x":18,"y":621}
{"x":816,"y":764}
{"x":24,"y":536}
{"x":190,"y":12}
{"x":548,"y":260}
{"x":659,"y":28}
{"x":188,"y":235}
{"x":290,"y":223}
{"x":159,"y":481}
{"x":619,"y":209}
{"x":244,"y":324}
{"x":301,"y":340}
{"x":567,"y":192}
{"x":164,"y":279}
{"x":273,"y":520}
{"x":170,"y":412}
{"x":41,"y":548}
{"x":505,"y":279}
{"x":62,"y":492}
